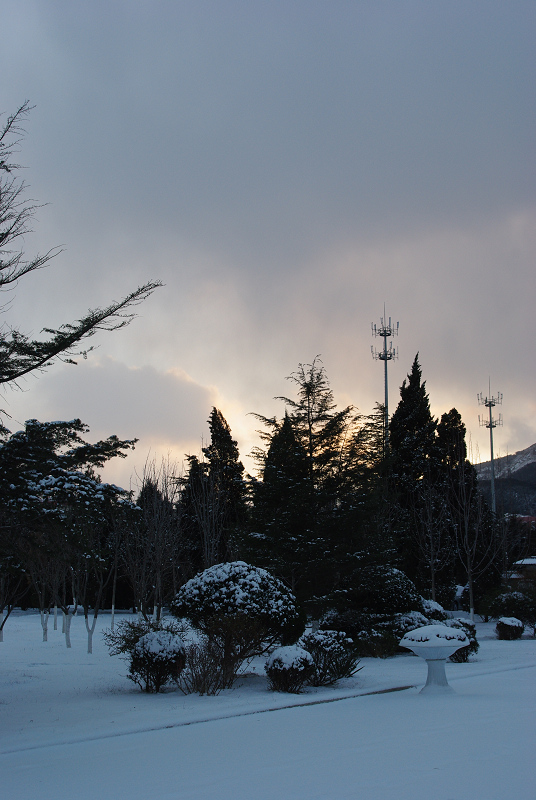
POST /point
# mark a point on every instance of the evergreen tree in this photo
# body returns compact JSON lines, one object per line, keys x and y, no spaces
{"x":57,"y":516}
{"x":226,"y":471}
{"x":281,"y":518}
{"x":213,"y":496}
{"x":414,"y":467}
{"x":20,"y":355}
{"x":309,"y":504}
{"x":412,"y":432}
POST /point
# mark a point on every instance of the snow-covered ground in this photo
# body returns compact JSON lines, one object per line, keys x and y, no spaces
{"x":72,"y":725}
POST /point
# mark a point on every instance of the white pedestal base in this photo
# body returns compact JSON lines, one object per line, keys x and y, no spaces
{"x":436,"y":680}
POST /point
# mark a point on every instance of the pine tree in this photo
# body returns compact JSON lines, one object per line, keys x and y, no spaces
{"x":213,"y":496}
{"x":412,"y":432}
{"x":414,"y":466}
{"x":282,"y":517}
{"x":227,"y":471}
{"x":19,"y":354}
{"x":60,"y":512}
{"x":308,"y":506}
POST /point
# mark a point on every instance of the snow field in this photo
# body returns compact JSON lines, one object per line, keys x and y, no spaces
{"x":71,"y":724}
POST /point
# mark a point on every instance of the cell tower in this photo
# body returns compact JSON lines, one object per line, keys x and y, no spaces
{"x":386,"y":330}
{"x":491,"y":423}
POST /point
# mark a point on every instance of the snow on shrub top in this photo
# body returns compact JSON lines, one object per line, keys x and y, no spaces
{"x":235,"y":588}
{"x":159,"y":644}
{"x":330,"y":641}
{"x":434,"y":610}
{"x":512,"y":621}
{"x":290,"y":657}
{"x":434,"y":636}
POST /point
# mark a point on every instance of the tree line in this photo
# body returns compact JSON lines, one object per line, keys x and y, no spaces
{"x":330,"y":513}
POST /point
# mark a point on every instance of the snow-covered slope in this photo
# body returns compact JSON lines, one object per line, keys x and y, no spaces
{"x":509,"y":465}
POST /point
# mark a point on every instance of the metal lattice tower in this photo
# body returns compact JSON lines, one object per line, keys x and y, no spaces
{"x":385,"y":330}
{"x":491,"y":423}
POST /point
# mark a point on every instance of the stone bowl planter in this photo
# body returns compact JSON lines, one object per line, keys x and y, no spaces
{"x":435,"y":643}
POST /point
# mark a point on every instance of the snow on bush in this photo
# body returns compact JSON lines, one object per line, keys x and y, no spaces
{"x":518,"y":605}
{"x":509,"y":628}
{"x":403,"y":623}
{"x":465,"y":625}
{"x":240,"y":608}
{"x":289,"y":669}
{"x":157,"y":658}
{"x":235,"y":588}
{"x":433,"y":610}
{"x":155,"y":662}
{"x":334,"y":656}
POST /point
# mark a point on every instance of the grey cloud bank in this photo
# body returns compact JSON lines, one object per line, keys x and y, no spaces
{"x":285,"y":168}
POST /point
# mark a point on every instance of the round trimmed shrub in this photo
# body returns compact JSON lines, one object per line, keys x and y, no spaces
{"x":509,"y":628}
{"x":240,"y":608}
{"x":289,"y":669}
{"x":334,"y":656}
{"x":516,"y":604}
{"x":461,"y":656}
{"x":156,"y":659}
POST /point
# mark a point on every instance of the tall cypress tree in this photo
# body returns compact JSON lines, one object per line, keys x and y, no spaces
{"x":412,"y":432}
{"x":414,"y":467}
{"x":213,"y":497}
{"x":282,"y":519}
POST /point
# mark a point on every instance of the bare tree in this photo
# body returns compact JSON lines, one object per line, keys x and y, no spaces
{"x":430,"y":518}
{"x":206,"y":501}
{"x":477,"y":543}
{"x":150,"y":549}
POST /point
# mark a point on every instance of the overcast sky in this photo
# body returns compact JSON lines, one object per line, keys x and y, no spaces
{"x":285,"y":168}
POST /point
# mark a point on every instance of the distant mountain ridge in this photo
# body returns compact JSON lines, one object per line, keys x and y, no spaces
{"x":515,"y":481}
{"x":506,"y":466}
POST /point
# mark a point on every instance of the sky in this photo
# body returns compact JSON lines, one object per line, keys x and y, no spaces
{"x":285,"y":169}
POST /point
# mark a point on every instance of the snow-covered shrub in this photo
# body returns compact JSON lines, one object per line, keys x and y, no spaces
{"x":334,"y":656}
{"x":402,"y":623}
{"x":372,"y":634}
{"x":203,"y":672}
{"x":465,"y":625}
{"x":509,"y":628}
{"x":521,"y":605}
{"x":434,"y":611}
{"x":289,"y":669}
{"x":240,"y":608}
{"x":156,"y":659}
{"x":147,"y":668}
{"x":127,"y":633}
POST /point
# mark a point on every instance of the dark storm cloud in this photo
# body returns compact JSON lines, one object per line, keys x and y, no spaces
{"x":285,"y":168}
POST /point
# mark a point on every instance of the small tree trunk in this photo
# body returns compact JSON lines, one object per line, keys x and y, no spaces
{"x":113,"y":597}
{"x":55,"y":618}
{"x":67,"y":619}
{"x":44,"y":624}
{"x":471,"y":595}
{"x":90,"y":631}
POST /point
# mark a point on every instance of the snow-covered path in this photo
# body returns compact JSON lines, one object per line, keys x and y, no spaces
{"x":477,"y":743}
